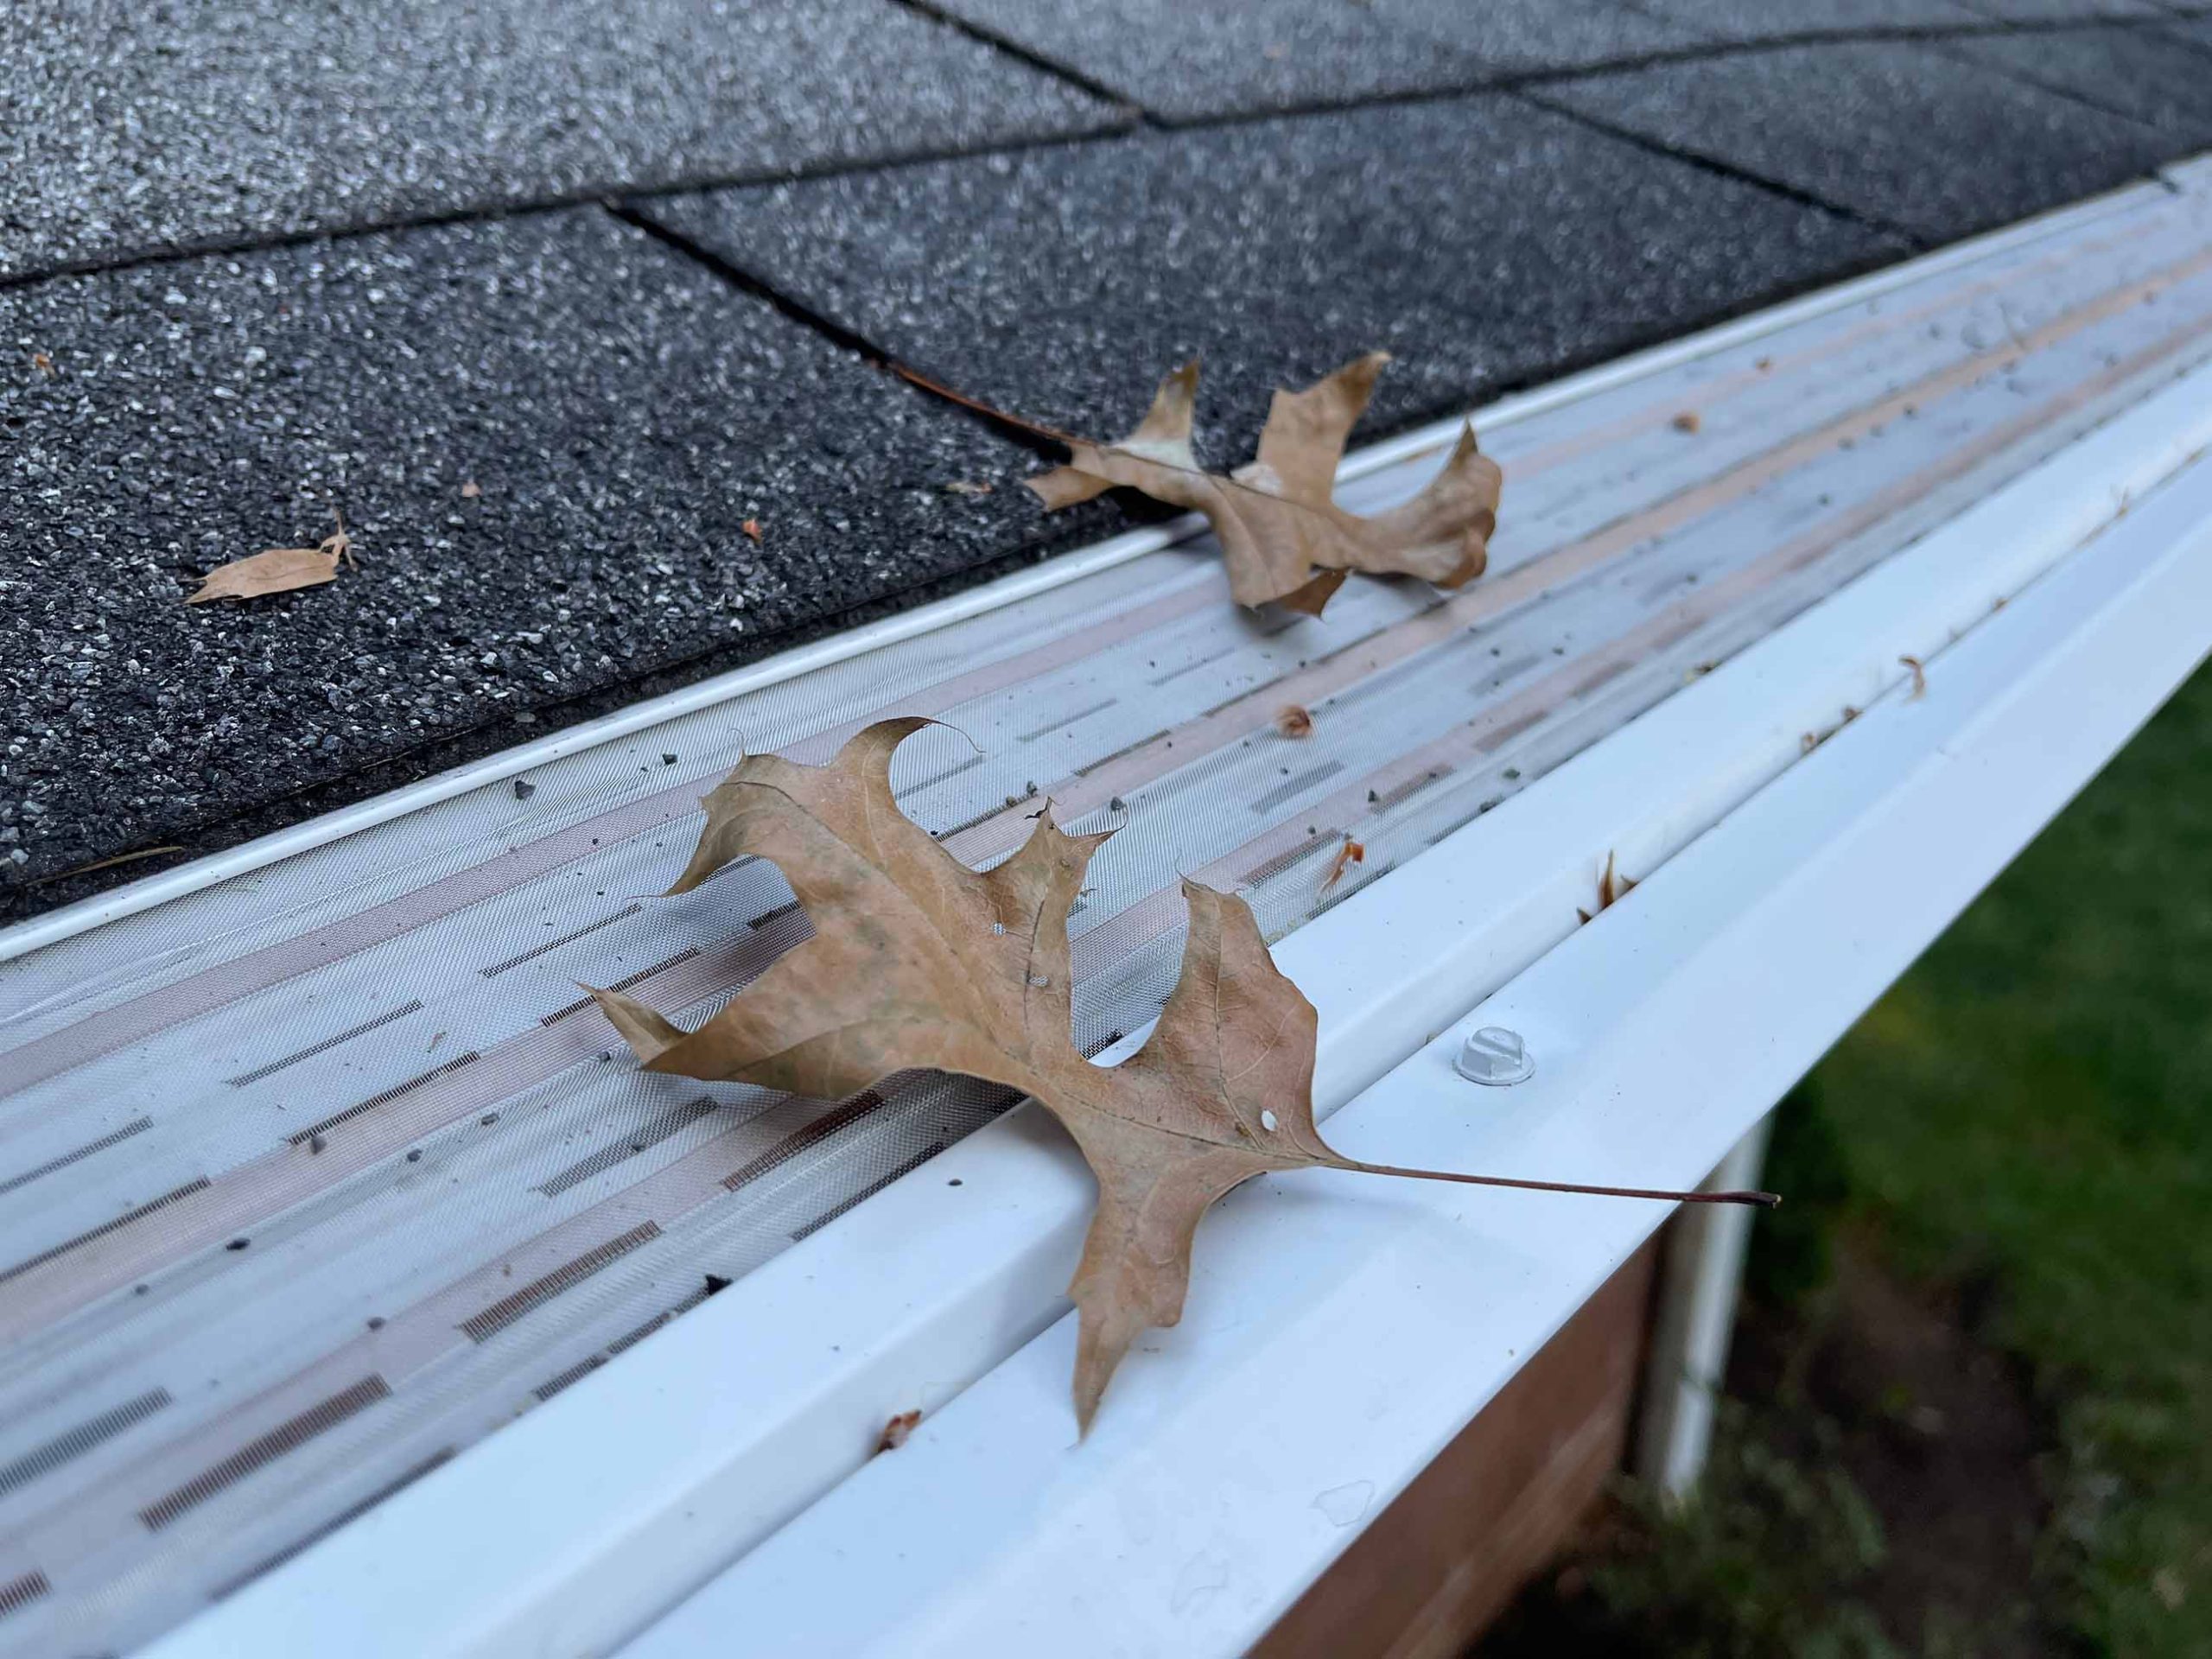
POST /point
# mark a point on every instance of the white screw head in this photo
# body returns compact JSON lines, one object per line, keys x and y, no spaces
{"x":1495,"y":1056}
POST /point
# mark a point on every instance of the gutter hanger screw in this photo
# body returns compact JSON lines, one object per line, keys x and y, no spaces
{"x":1495,"y":1056}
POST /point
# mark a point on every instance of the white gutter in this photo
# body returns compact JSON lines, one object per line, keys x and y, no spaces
{"x":1337,"y":1336}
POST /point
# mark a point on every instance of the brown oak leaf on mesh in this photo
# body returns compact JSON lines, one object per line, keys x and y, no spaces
{"x":1282,"y":536}
{"x":918,"y":961}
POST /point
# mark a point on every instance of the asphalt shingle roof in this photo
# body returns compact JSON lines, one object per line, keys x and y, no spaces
{"x":179,"y":124}
{"x":1767,"y":19}
{"x":1189,"y":60}
{"x":2131,"y":72}
{"x":1463,"y":235}
{"x":622,"y":412}
{"x":1903,"y":134}
{"x":630,"y":266}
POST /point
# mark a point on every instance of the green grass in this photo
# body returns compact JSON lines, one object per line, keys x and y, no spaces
{"x":2032,"y":1103}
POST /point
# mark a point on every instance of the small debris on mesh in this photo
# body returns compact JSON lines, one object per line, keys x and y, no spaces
{"x":523,"y":790}
{"x":1612,"y":887}
{"x":316,"y":1143}
{"x":1350,"y":854}
{"x":238,"y":1245}
{"x":1919,"y":678}
{"x":1688,"y":421}
{"x":896,"y":1431}
{"x":1294,"y":721}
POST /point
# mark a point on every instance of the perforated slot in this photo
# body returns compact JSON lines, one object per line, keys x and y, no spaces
{"x":966,"y":824}
{"x":1267,"y":869}
{"x":799,"y":1140}
{"x":1064,"y":721}
{"x":106,"y":1227}
{"x":325,"y":1046}
{"x":648,"y":1134}
{"x":590,"y":1362}
{"x":287,"y":1436}
{"x":1283,"y":794}
{"x":1108,"y":760}
{"x":504,"y":1312}
{"x":136,"y":1126}
{"x":1398,"y":794}
{"x":631,"y":1338}
{"x":75,"y":1443}
{"x":575,"y":1373}
{"x":20,"y":1592}
{"x":383,"y":1098}
{"x":867,"y":1192}
{"x":569,"y":937}
{"x":1497,"y":739}
{"x":622,"y":984}
{"x":351,"y":1512}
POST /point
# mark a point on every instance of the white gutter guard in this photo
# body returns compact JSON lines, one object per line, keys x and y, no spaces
{"x":357,"y":1048}
{"x":1336,"y":1344}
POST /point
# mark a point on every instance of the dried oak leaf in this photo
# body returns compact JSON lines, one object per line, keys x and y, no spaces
{"x":1351,"y":853}
{"x":1612,"y":887}
{"x":276,"y":570}
{"x":918,"y":961}
{"x":1281,"y":533}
